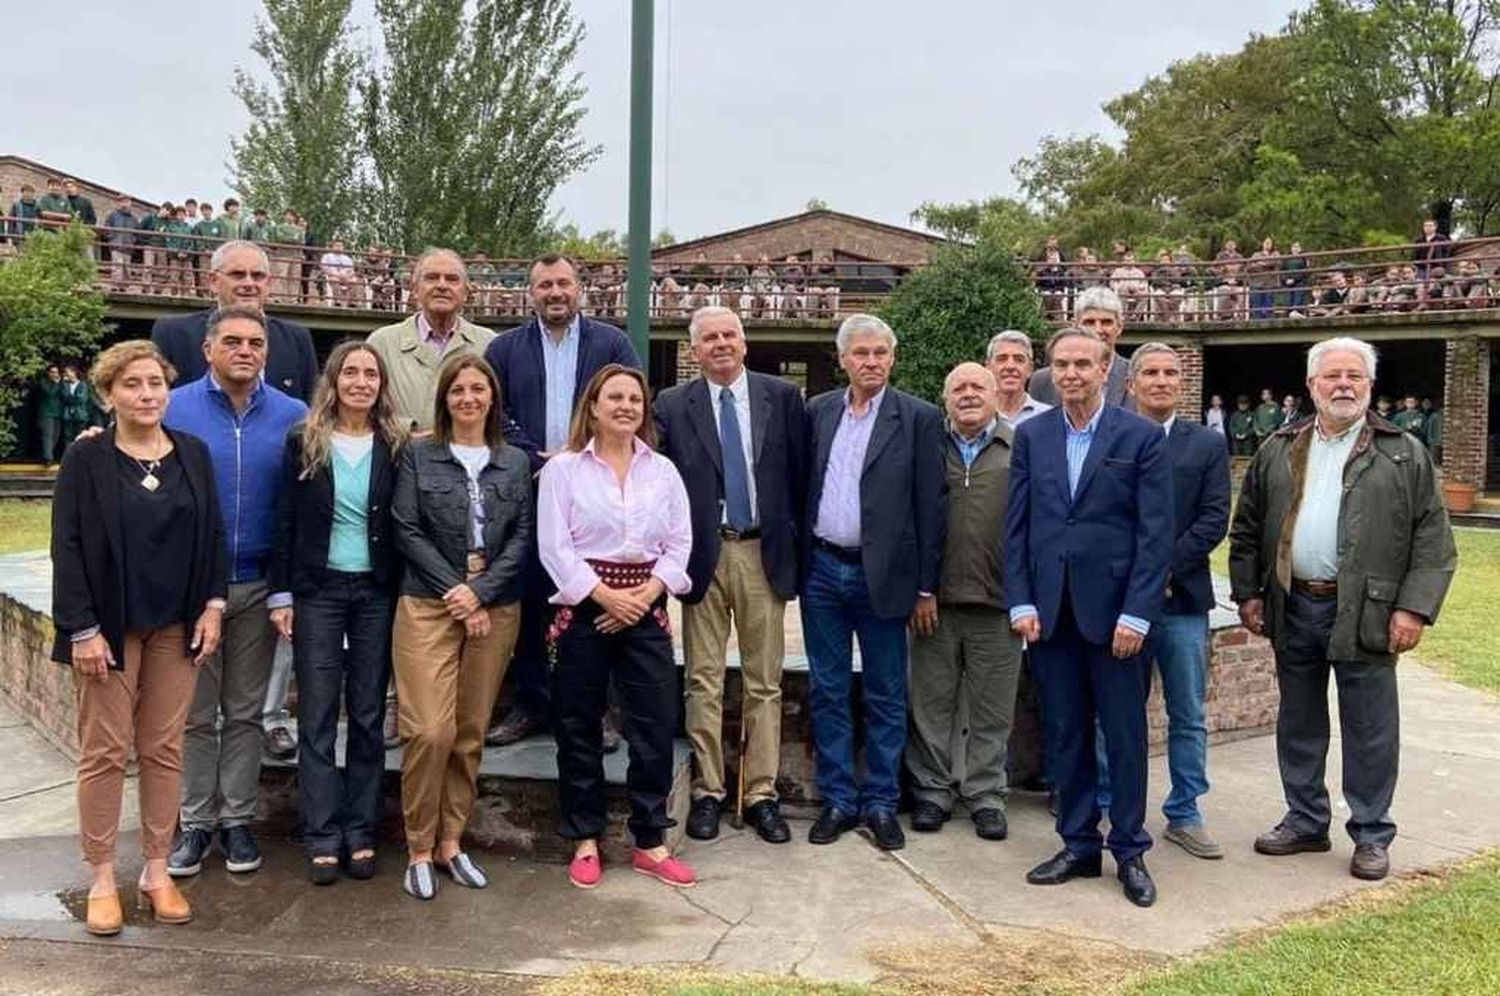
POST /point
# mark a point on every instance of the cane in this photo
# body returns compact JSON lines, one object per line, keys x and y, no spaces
{"x":739,"y":792}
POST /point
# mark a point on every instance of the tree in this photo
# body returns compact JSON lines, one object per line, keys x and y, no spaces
{"x":49,"y":309}
{"x":948,"y":310}
{"x":1002,"y":221}
{"x":472,"y":122}
{"x":301,"y":149}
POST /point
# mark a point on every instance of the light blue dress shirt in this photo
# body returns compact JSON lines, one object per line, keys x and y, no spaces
{"x":561,"y":361}
{"x":838,"y":505}
{"x":1078,"y":442}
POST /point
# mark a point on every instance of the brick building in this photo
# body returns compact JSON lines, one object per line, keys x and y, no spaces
{"x":817,"y":234}
{"x":16,"y":170}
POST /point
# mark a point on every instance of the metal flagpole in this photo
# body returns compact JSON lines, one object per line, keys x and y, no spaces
{"x":638,"y":301}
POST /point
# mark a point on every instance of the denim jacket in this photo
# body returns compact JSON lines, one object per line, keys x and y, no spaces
{"x":433,"y":529}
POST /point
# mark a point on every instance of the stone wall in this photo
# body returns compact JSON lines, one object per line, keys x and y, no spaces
{"x":40,"y":689}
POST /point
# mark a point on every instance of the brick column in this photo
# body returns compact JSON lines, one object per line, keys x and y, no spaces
{"x":687,"y":366}
{"x":1466,"y":409}
{"x":1190,"y":405}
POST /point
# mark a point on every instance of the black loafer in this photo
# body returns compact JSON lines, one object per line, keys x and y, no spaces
{"x":831,"y":824}
{"x":765,"y":816}
{"x":886,"y":829}
{"x":1064,"y":866}
{"x":989,"y":824}
{"x":928,"y":817}
{"x":1139,"y":888}
{"x":703,"y":818}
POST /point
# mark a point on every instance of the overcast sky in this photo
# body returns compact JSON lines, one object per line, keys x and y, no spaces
{"x":873,"y":106}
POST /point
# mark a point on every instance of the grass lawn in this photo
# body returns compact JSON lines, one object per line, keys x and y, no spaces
{"x":25,"y":525}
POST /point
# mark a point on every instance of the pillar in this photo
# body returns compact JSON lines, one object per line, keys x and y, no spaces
{"x":1466,"y":410}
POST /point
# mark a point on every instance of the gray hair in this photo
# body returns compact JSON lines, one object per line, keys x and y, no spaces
{"x":711,"y":311}
{"x":1013,"y":336}
{"x":1342,"y":344}
{"x":948,"y":378}
{"x":862,"y":325}
{"x":433,"y":253}
{"x":1099,"y":298}
{"x":1149,"y":349}
{"x":1074,"y":332}
{"x":221,"y":315}
{"x":234,"y":245}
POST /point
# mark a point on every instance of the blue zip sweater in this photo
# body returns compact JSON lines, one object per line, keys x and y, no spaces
{"x":247,"y":450}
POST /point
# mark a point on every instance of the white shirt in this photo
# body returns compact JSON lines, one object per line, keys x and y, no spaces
{"x":1214,"y":419}
{"x":1315,"y":537}
{"x":740,"y":389}
{"x":1030,"y":407}
{"x":1166,"y":427}
{"x":474,"y":459}
{"x":353,"y":448}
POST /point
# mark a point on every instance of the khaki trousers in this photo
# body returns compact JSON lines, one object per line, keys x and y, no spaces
{"x":738,"y":591}
{"x":446,"y":683}
{"x":143,"y":706}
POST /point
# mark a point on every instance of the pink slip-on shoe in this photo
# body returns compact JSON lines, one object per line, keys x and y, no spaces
{"x":585,"y":871}
{"x":668,"y":870}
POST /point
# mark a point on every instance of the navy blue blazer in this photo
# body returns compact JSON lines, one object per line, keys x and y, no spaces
{"x":688,"y":435}
{"x":516,"y":356}
{"x":291,"y":360}
{"x":903,"y":496}
{"x":1200,"y":503}
{"x":1110,"y":545}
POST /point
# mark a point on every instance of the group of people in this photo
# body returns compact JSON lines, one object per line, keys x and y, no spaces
{"x":65,"y":406}
{"x":1245,"y":428}
{"x":1269,"y":283}
{"x":453,"y":501}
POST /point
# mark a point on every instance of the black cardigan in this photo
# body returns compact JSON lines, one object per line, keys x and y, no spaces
{"x":304,"y":520}
{"x":88,"y":578}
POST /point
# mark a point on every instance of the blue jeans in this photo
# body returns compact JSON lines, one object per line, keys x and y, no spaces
{"x":1180,"y":642}
{"x":836,"y":610}
{"x":341,"y":811}
{"x":1262,"y":304}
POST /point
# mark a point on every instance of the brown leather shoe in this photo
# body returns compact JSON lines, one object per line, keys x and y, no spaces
{"x":105,"y":917}
{"x":166,"y":903}
{"x":1281,"y":840}
{"x":1371,"y":862}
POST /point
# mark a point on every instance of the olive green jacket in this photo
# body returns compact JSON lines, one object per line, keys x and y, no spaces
{"x":1396,"y":547}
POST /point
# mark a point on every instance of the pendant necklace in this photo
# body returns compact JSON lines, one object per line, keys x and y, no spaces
{"x":149,"y":480}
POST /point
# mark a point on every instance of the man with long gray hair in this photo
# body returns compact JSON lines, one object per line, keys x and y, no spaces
{"x":1341,"y":554}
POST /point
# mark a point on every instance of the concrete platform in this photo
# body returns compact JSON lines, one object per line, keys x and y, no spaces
{"x":822,"y":912}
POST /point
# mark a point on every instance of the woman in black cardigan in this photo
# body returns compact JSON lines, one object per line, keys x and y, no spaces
{"x":139,"y":579}
{"x":334,"y":553}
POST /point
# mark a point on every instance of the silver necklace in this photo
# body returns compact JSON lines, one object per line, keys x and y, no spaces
{"x":149,"y":480}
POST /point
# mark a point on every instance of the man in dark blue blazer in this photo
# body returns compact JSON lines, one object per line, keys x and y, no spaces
{"x":1200,"y":502}
{"x":240,"y":275}
{"x":877,"y":514}
{"x":739,"y":441}
{"x":542,"y":366}
{"x":1087,"y":550}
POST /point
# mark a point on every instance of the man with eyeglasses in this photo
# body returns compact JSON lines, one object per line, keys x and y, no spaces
{"x":240,"y":276}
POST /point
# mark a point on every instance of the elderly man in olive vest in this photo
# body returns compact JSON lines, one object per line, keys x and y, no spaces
{"x":1340,"y":553}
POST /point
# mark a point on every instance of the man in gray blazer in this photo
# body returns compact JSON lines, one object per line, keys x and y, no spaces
{"x":1099,"y":310}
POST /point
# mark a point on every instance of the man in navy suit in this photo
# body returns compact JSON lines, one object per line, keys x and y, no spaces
{"x":877,"y":514}
{"x":739,"y":441}
{"x":542,"y":366}
{"x":1200,"y":501}
{"x":240,"y":275}
{"x":1087,"y":550}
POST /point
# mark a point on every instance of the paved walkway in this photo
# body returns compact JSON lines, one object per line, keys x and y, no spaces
{"x":816,"y":912}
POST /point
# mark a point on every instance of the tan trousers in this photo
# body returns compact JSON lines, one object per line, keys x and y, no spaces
{"x":446,"y":683}
{"x":143,"y":706}
{"x":739,"y":590}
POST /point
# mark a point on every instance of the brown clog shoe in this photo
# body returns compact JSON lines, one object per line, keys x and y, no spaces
{"x":166,"y":904}
{"x":105,"y":918}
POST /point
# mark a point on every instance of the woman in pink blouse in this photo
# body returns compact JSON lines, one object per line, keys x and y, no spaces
{"x":613,"y":527}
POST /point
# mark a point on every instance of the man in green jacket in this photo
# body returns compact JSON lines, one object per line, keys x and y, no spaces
{"x":54,"y":203}
{"x":259,"y":228}
{"x":969,"y":646}
{"x":1267,"y":417}
{"x":1242,"y":428}
{"x":286,"y":257}
{"x":1411,"y":418}
{"x":77,"y":404}
{"x":178,"y":245}
{"x":1340,"y":553}
{"x":49,"y":414}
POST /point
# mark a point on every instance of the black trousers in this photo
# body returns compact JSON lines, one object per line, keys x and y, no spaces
{"x":1369,"y":726}
{"x":640,"y":659}
{"x":340,"y":810}
{"x":1081,"y":684}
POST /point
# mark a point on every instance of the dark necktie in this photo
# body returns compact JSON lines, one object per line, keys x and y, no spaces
{"x":736,"y":475}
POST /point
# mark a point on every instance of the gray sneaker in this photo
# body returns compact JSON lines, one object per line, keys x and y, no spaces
{"x":1196,"y":841}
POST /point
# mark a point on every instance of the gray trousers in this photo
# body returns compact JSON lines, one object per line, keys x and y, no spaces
{"x":974,"y":658}
{"x":274,"y":713}
{"x":221,"y":760}
{"x":1369,"y":726}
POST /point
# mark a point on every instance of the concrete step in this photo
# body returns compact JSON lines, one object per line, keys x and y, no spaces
{"x":515,"y":812}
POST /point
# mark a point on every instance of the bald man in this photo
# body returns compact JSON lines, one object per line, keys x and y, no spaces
{"x":970,"y":645}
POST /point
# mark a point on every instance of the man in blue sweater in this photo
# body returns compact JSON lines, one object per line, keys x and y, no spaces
{"x":245,"y":422}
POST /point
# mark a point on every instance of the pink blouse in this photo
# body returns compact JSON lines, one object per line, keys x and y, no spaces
{"x":583,"y":514}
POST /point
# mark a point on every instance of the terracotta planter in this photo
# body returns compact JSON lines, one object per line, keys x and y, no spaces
{"x":1459,"y":497}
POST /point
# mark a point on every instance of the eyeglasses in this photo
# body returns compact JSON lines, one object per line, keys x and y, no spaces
{"x":256,"y":276}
